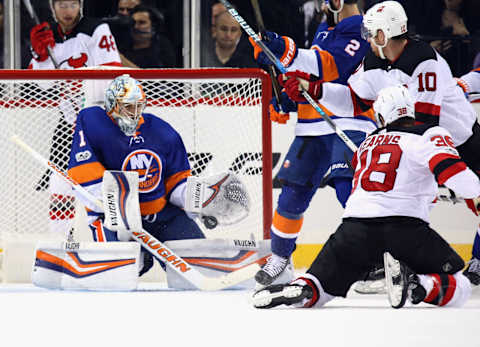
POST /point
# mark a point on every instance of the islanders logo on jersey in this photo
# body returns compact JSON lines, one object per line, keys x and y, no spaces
{"x":149,"y":168}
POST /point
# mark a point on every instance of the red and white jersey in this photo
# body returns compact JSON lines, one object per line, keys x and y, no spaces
{"x":90,"y":43}
{"x":398,"y":170}
{"x":428,"y":78}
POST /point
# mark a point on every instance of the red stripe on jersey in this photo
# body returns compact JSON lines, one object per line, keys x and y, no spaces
{"x":451,"y":171}
{"x":424,"y":107}
{"x":435,"y":290}
{"x":316,"y":294}
{"x":360,"y":105}
{"x":113,"y":63}
{"x":436,"y":159}
{"x":452,"y":285}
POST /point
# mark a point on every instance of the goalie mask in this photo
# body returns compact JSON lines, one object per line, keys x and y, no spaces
{"x":387,"y":16}
{"x":125,"y":101}
{"x":393,"y":103}
{"x":52,"y":8}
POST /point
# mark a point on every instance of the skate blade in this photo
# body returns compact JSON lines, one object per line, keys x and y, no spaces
{"x":371,"y":287}
{"x":395,"y":291}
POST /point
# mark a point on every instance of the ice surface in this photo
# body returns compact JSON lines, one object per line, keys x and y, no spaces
{"x":155,"y":316}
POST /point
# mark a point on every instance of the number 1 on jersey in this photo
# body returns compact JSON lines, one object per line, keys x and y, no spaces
{"x":82,"y":139}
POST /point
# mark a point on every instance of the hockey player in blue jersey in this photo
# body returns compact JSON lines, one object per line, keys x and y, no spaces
{"x":317,"y":157}
{"x":122,"y":137}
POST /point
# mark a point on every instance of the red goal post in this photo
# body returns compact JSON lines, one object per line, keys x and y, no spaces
{"x":221,"y":115}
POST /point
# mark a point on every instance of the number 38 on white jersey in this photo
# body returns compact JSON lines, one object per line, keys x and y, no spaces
{"x":397,"y":172}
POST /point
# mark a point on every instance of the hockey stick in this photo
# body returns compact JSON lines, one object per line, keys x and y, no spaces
{"x":150,"y":243}
{"x":271,"y":69}
{"x":34,"y":16}
{"x":250,"y":32}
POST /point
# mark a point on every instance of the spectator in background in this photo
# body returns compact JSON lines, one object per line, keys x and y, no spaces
{"x":125,"y":7}
{"x":121,"y":25}
{"x":226,"y":48}
{"x":150,"y":47}
{"x":442,"y":24}
{"x":284,"y":16}
{"x":313,"y":15}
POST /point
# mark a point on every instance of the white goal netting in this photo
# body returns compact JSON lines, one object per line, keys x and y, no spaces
{"x":220,"y":115}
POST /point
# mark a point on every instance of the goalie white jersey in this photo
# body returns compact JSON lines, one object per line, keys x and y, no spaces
{"x":397,"y":170}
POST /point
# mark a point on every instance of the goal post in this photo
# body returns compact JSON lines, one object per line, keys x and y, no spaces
{"x":221,"y":115}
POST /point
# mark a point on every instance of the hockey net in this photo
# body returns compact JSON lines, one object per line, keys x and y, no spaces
{"x":220,"y":114}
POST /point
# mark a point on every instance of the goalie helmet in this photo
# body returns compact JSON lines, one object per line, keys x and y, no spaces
{"x":387,"y":16}
{"x":125,"y":101}
{"x":393,"y":103}
{"x":52,"y":2}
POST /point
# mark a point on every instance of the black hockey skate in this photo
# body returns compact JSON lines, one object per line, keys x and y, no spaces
{"x":293,"y":294}
{"x":402,"y":283}
{"x":271,"y":270}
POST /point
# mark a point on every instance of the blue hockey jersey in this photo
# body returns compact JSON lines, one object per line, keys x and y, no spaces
{"x":335,"y":54}
{"x":157,"y":153}
{"x":340,"y":49}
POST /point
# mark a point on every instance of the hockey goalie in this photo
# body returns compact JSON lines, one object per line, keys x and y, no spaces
{"x":136,"y":163}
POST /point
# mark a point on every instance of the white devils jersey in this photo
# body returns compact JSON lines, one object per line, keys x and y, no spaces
{"x":397,"y":172}
{"x":90,"y":43}
{"x":427,"y":76}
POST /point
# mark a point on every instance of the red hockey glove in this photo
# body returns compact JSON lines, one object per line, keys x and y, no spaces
{"x":41,"y":36}
{"x":474,"y":205}
{"x":297,"y":81}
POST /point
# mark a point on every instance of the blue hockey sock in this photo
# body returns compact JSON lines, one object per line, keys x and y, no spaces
{"x":282,"y":246}
{"x":476,"y":245}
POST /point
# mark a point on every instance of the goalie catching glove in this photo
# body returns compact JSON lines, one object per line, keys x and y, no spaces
{"x":221,"y":198}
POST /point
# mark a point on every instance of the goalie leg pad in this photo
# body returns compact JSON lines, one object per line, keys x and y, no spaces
{"x":216,"y":257}
{"x":86,"y":265}
{"x":120,"y":200}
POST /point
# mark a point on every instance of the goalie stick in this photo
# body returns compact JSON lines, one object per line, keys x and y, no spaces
{"x":149,"y":242}
{"x":250,"y":32}
{"x":34,"y":16}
